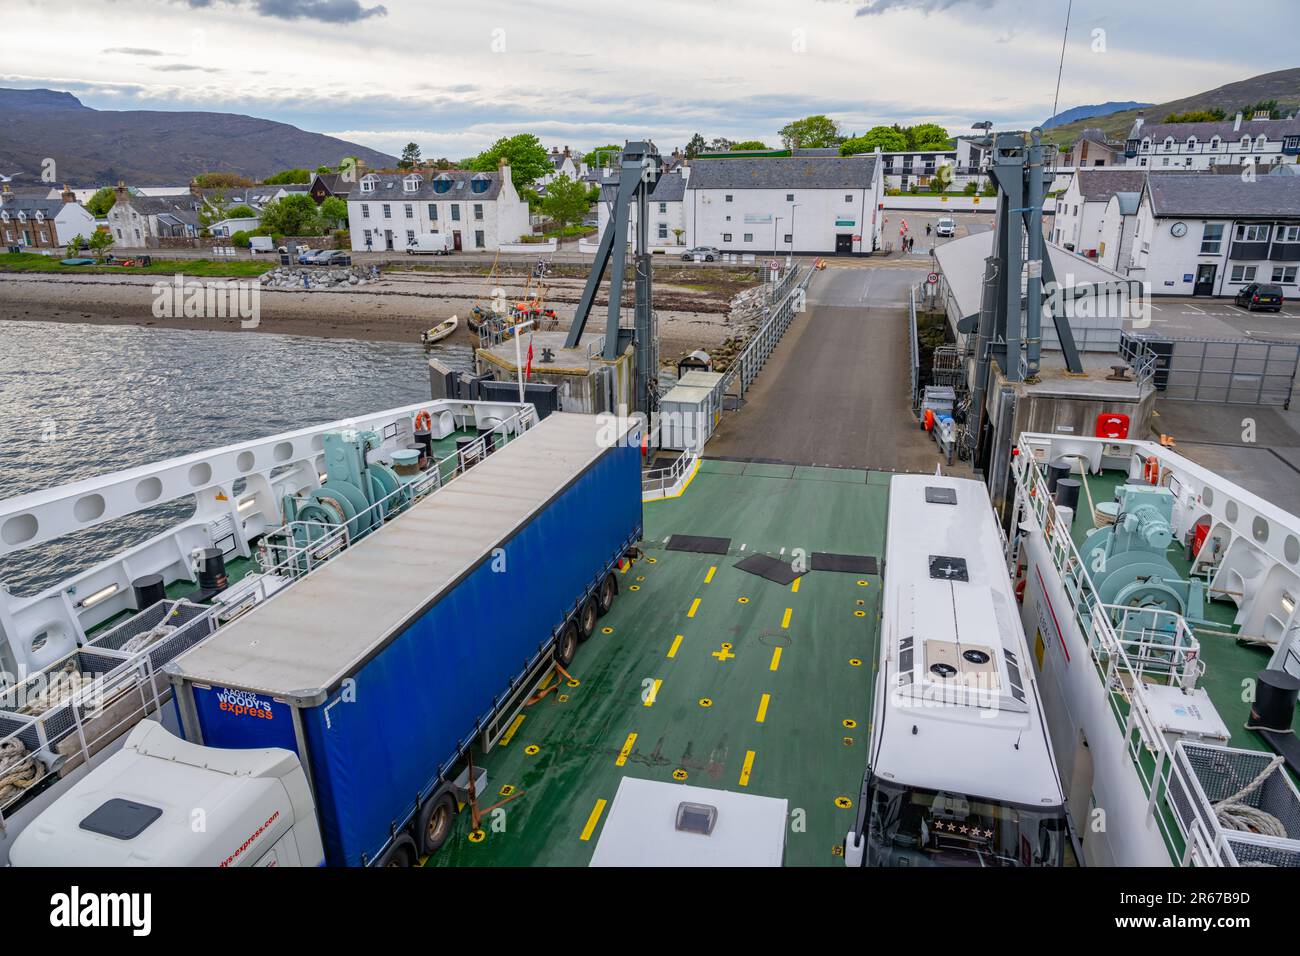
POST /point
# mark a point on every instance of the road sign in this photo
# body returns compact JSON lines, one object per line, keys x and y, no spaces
{"x":932,"y":278}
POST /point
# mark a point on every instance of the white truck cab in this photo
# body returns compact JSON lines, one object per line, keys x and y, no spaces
{"x":162,"y":801}
{"x":430,"y":243}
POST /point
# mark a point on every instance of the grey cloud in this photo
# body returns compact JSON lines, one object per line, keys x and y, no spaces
{"x":927,"y":7}
{"x":134,"y":51}
{"x":322,"y":11}
{"x":185,"y":68}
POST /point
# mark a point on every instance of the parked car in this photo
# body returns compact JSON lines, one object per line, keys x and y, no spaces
{"x":1260,"y":295}
{"x":332,"y":257}
{"x":946,"y":227}
{"x":707,"y":253}
{"x":311,"y":257}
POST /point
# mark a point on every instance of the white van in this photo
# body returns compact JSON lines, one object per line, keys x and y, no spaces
{"x":432,"y":243}
{"x":946,"y":227}
{"x":261,"y":244}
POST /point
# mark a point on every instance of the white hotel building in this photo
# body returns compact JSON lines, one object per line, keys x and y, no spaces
{"x":1235,"y":142}
{"x":765,"y":206}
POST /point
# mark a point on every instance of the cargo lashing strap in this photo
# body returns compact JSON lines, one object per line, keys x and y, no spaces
{"x":476,"y":814}
{"x":541,"y":694}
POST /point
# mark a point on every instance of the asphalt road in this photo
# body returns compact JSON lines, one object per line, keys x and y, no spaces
{"x":835,"y":391}
{"x":1220,"y":319}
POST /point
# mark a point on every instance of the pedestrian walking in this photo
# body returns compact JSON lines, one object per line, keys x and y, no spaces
{"x":927,"y":228}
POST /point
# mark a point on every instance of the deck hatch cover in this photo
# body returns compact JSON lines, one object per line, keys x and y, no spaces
{"x":696,"y":818}
{"x":121,"y":819}
{"x":940,"y":496}
{"x":1013,"y":674}
{"x":946,"y":568}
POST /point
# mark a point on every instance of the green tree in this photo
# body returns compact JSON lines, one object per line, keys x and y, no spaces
{"x":602,"y":155}
{"x":720,"y":144}
{"x":695,"y":146}
{"x":212,"y":210}
{"x":100,"y":241}
{"x":242,"y":211}
{"x":290,"y":177}
{"x":410,"y":156}
{"x":566,"y":200}
{"x":74,"y":247}
{"x":222,"y":181}
{"x":927,"y":136}
{"x":334,"y":211}
{"x":240,"y":238}
{"x":294,"y":215}
{"x":750,"y":144}
{"x":1196,"y":116}
{"x":811,"y":132}
{"x":889,"y":139}
{"x":100,"y":203}
{"x":526,"y":155}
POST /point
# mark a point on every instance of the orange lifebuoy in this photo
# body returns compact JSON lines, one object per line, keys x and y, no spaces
{"x":1020,"y":590}
{"x":1151,"y":471}
{"x":929,"y":419}
{"x":424,"y":422}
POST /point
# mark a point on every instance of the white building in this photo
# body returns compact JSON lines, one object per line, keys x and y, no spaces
{"x":1080,"y":209}
{"x":480,"y":210}
{"x":139,"y":221}
{"x":1238,"y":141}
{"x":666,"y":207}
{"x":563,"y":163}
{"x":1118,"y":231}
{"x":1210,"y":235}
{"x":34,"y":222}
{"x":1092,"y":149}
{"x":778,"y":205}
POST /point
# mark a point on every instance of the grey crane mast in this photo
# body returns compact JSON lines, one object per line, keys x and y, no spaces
{"x":638,"y":172}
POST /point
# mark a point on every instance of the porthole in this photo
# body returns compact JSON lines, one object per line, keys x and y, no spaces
{"x":283,"y":451}
{"x":1230,"y":511}
{"x":1207,"y":497}
{"x":1291,"y":548}
{"x":1259,"y":528}
{"x":148,"y":490}
{"x":245,"y":461}
{"x":200,"y":474}
{"x":88,"y":508}
{"x":18,"y":529}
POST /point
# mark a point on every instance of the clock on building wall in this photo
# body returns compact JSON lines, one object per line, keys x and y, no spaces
{"x":1178,"y":230}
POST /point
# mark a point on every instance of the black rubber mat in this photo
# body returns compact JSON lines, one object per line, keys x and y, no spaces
{"x":698,"y":543}
{"x":768,"y":567}
{"x":850,"y":563}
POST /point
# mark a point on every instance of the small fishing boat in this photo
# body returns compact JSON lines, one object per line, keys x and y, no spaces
{"x":440,"y":331}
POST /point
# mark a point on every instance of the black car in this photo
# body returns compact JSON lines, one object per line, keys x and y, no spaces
{"x":334,"y":257}
{"x":1258,"y":295}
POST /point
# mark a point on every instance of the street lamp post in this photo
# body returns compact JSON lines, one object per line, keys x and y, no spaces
{"x":790,"y":257}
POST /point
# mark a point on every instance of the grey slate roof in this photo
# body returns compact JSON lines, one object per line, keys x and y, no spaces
{"x":1204,"y":132}
{"x":669,"y":187}
{"x":154,"y":205}
{"x":1098,"y":184}
{"x":794,"y":172}
{"x":388,"y":187}
{"x":1268,"y":197}
{"x":815,"y":151}
{"x":15,"y":204}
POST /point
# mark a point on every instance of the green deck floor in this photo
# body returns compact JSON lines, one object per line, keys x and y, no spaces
{"x":803,"y":656}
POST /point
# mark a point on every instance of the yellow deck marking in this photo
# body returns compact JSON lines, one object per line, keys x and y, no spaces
{"x":785,"y":620}
{"x":509,"y":734}
{"x":723,"y":653}
{"x":677,"y":642}
{"x":794,"y":586}
{"x":776,"y":658}
{"x":709,"y":577}
{"x":592,"y":820}
{"x":745,"y":770}
{"x":762,"y":709}
{"x":627,"y":749}
{"x":654,"y":692}
{"x":695,"y":606}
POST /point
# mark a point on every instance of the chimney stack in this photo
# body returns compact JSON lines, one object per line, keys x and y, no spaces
{"x":120,"y":191}
{"x":1236,"y":122}
{"x":566,"y":151}
{"x":195,"y":189}
{"x":68,"y":194}
{"x":5,"y":194}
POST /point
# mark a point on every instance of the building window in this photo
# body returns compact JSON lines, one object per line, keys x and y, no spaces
{"x":455,"y":212}
{"x":663,"y":230}
{"x":1288,"y":233}
{"x":1243,"y":274}
{"x":388,"y":211}
{"x":369,"y":237}
{"x":663,"y":207}
{"x":1142,"y":161}
{"x":365,"y":210}
{"x":1212,"y":239}
{"x":789,"y":197}
{"x":1284,"y":274}
{"x":728,"y":219}
{"x":478,"y":211}
{"x":433,"y":211}
{"x":789,"y":239}
{"x":410,"y":236}
{"x":1255,"y":233}
{"x":848,"y":198}
{"x":749,"y":237}
{"x":726,"y":237}
{"x":479,"y":242}
{"x":410,"y":211}
{"x":728,"y":197}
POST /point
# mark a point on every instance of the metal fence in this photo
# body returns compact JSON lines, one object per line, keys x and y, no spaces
{"x":914,"y":367}
{"x":1225,"y":371}
{"x":789,"y":298}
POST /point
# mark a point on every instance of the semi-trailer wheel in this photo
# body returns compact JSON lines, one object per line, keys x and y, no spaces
{"x":401,"y":853}
{"x":566,"y":645}
{"x":433,"y":826}
{"x":587,"y":618}
{"x":608,"y":588}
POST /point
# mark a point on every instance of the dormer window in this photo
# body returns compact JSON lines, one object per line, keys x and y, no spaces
{"x":1214,"y":143}
{"x":1245,"y":142}
{"x":1169,"y":143}
{"x":411,"y":183}
{"x":1146,"y":145}
{"x":368,"y":184}
{"x":442,"y":184}
{"x":1260,"y":141}
{"x":480,"y":183}
{"x":1191,"y":142}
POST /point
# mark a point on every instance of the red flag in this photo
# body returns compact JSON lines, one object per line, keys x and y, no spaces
{"x":528,"y":368}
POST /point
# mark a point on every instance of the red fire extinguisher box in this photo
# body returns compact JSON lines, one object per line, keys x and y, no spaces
{"x":1112,"y":425}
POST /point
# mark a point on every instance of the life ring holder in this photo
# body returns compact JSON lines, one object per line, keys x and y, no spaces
{"x":423,"y":422}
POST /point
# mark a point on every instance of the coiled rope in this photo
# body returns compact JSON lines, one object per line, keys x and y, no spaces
{"x":1233,"y":814}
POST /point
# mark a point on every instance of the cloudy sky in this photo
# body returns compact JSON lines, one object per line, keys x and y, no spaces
{"x":455,"y":76}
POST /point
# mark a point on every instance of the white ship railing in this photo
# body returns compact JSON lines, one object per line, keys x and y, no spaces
{"x":45,"y":733}
{"x":1123,"y":672}
{"x":670,"y":481}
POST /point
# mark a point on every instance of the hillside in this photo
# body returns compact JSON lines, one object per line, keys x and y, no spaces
{"x":1087,"y":112}
{"x":1282,"y":85}
{"x":150,"y":147}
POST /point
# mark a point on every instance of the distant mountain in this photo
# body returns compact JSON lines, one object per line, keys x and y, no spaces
{"x":1282,"y":85}
{"x":149,"y":147}
{"x":1088,"y":112}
